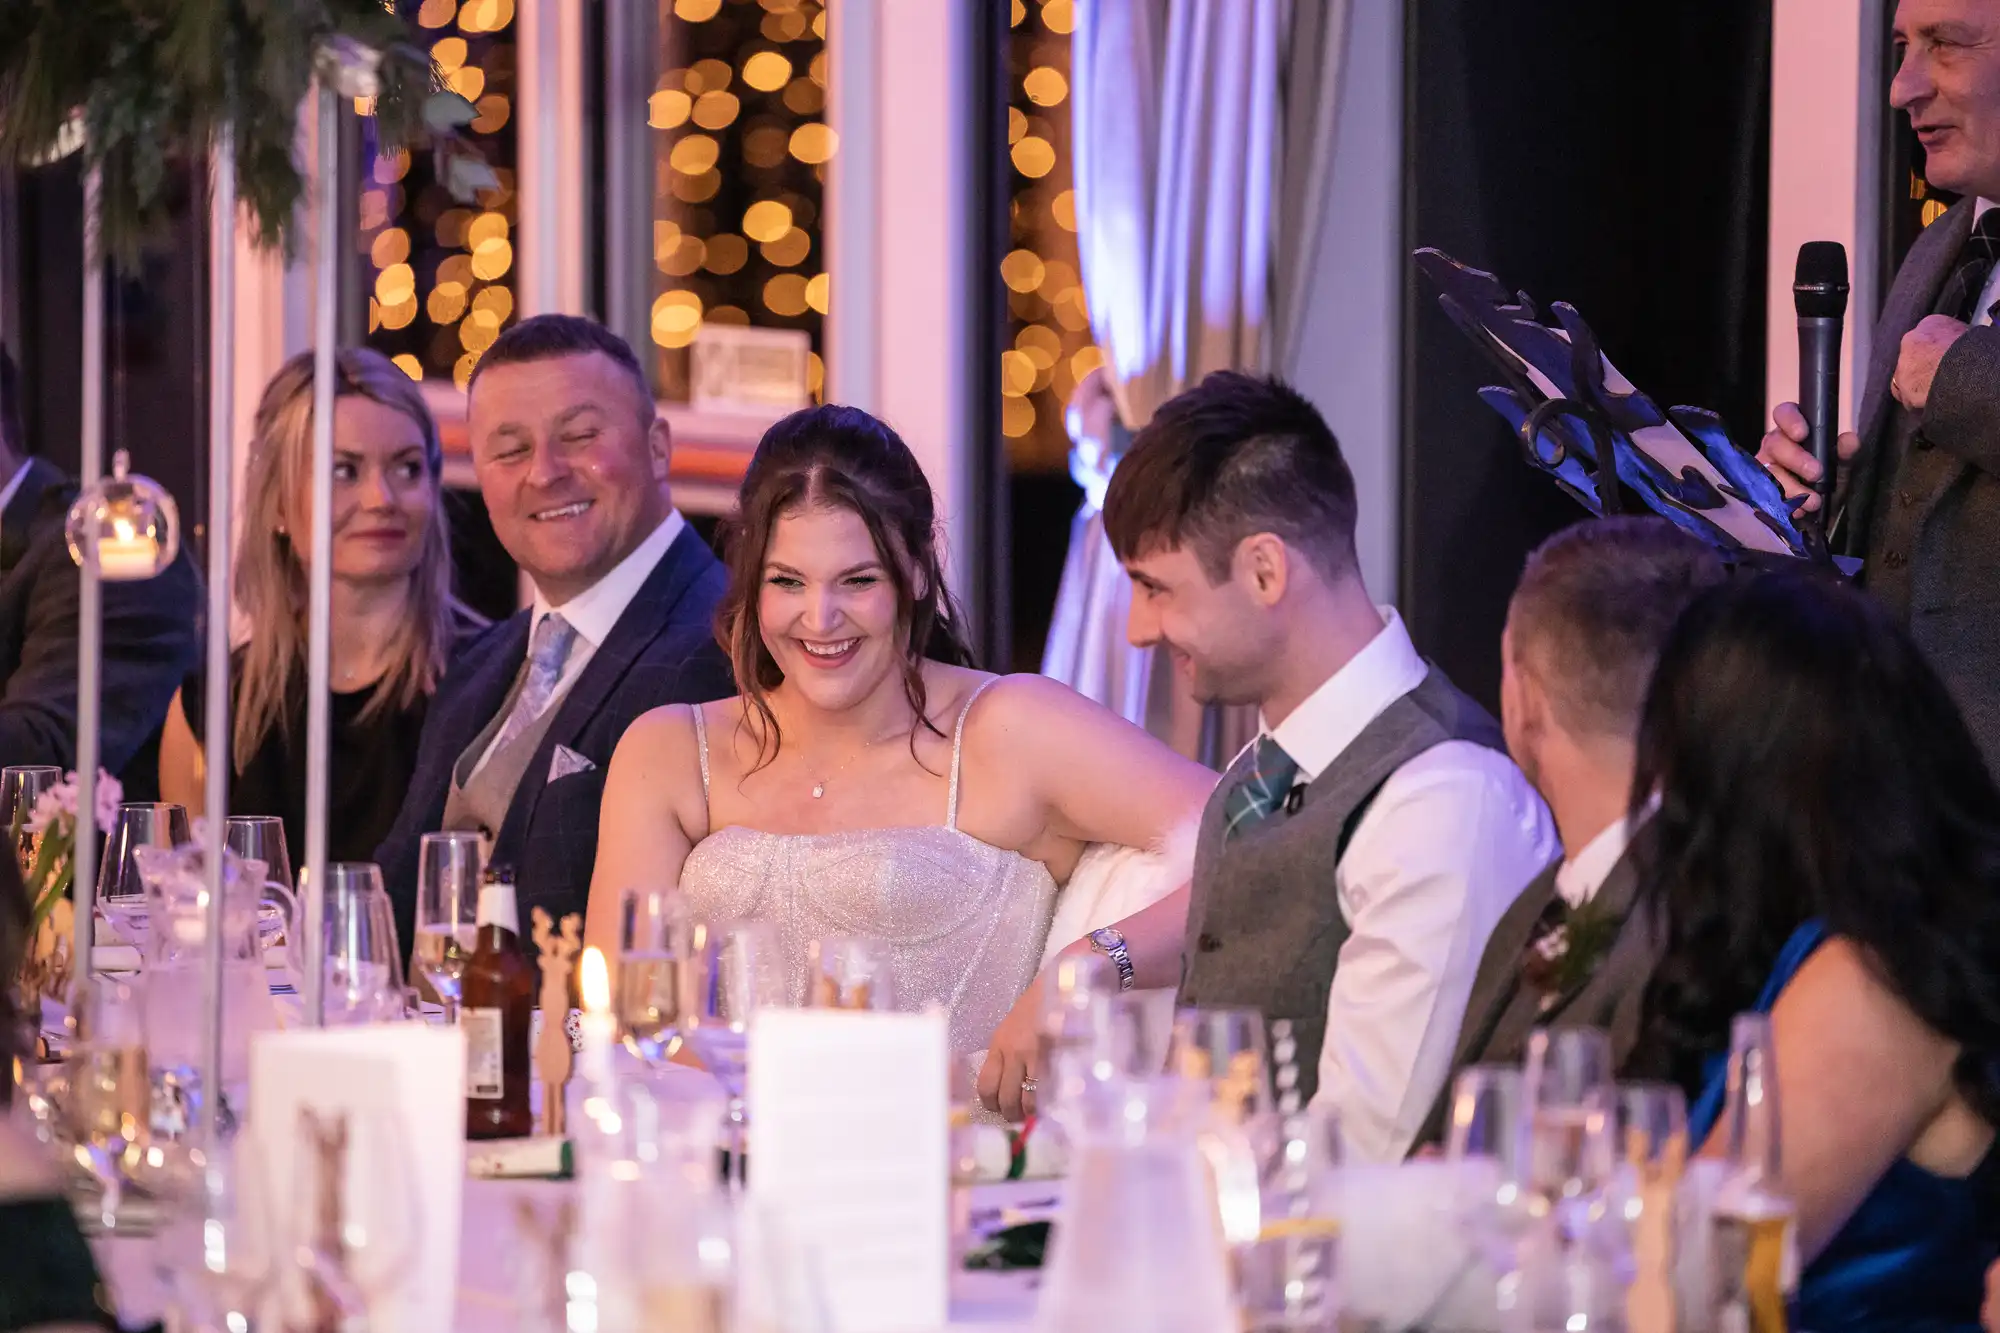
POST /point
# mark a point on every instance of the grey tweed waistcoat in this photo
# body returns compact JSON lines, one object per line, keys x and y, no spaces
{"x":1264,"y":922}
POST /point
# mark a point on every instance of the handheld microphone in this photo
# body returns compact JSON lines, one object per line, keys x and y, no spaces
{"x":1819,"y":293}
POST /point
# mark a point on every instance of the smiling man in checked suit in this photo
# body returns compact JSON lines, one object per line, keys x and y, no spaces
{"x":1584,"y":631}
{"x":572,"y":462}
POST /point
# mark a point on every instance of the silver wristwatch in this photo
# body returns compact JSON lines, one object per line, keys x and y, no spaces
{"x":1111,"y":943}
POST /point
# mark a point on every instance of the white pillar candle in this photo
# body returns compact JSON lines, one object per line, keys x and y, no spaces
{"x":599,"y":1025}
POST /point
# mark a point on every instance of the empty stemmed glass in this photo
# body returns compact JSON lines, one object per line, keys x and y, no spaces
{"x":655,"y":952}
{"x":847,"y":973}
{"x":736,"y":970}
{"x":1486,"y":1145}
{"x":364,"y":964}
{"x":448,"y":869}
{"x":121,"y":891}
{"x":1076,"y":1030}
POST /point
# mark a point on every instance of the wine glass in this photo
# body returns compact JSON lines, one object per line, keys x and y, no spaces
{"x":121,"y":892}
{"x":261,"y":838}
{"x":448,"y":869}
{"x":848,"y":973}
{"x":655,"y":948}
{"x":364,"y":965}
{"x":1225,"y":1049}
{"x":21,"y":785}
{"x":736,"y":969}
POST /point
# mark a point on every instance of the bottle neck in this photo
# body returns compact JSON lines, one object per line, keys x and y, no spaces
{"x":499,"y":913}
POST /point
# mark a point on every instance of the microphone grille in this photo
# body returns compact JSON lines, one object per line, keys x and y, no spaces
{"x":1819,"y":284}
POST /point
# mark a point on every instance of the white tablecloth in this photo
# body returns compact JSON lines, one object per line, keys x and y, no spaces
{"x":489,"y":1251}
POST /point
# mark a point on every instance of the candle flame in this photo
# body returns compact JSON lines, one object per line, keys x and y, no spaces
{"x":596,"y":982}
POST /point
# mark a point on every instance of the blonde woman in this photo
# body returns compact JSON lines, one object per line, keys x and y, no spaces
{"x":394,"y":619}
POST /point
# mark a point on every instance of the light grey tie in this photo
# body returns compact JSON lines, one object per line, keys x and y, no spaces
{"x":554,"y":637}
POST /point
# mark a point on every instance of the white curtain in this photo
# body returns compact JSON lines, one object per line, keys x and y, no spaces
{"x":1203,"y":135}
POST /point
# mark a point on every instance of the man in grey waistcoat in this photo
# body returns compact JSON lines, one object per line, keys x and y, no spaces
{"x":1584,"y":631}
{"x":1921,"y":502}
{"x":1353,"y":859}
{"x":572,"y":461}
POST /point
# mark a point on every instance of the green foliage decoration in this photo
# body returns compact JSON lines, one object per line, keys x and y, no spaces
{"x":142,"y":87}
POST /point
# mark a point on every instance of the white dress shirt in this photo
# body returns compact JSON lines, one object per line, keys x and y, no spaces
{"x":594,"y":612}
{"x":1991,"y":292}
{"x":13,"y":485}
{"x":1449,"y":842}
{"x":1580,"y":877}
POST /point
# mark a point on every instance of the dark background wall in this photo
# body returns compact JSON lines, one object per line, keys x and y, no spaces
{"x":1609,"y":155}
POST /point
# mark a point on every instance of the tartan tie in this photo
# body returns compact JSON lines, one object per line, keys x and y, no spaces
{"x":1959,"y":297}
{"x":554,"y":637}
{"x":1251,"y":801}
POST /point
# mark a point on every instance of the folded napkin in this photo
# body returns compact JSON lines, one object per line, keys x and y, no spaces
{"x":114,"y":958}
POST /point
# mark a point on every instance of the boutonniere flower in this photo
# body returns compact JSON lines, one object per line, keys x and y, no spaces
{"x":1562,"y":959}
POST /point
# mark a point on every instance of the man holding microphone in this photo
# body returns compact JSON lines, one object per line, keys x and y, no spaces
{"x":1921,"y":501}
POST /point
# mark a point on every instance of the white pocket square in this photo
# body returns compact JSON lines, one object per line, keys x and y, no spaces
{"x":566,"y":761}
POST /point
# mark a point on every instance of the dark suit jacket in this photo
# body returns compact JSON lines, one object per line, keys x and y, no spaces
{"x":149,"y":642}
{"x":662,"y":651}
{"x":1500,"y":1015}
{"x":1928,"y":517}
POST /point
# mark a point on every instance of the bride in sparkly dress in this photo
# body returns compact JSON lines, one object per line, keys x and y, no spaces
{"x":867,"y":780}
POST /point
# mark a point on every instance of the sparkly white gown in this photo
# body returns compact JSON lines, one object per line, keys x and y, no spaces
{"x":965,"y":921}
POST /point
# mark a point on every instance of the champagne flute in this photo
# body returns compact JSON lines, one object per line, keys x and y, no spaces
{"x":655,"y":949}
{"x":448,"y":869}
{"x":21,"y":785}
{"x":1652,"y":1125}
{"x":121,"y":891}
{"x":1754,"y":1237}
{"x":1486,"y":1145}
{"x":737,"y":969}
{"x":849,"y":973}
{"x":1570,"y":1095}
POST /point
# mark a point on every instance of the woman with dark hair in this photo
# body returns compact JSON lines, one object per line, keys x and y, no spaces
{"x":868,"y":780}
{"x":48,"y":1280}
{"x":1829,"y":853}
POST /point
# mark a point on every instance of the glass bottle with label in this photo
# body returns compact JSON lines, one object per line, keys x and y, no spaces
{"x":496,"y":1011}
{"x":1753,"y":1228}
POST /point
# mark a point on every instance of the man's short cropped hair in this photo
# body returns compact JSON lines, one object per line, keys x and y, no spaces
{"x":1232,"y":457}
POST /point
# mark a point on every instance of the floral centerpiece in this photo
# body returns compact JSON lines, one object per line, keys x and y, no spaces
{"x":46,"y":840}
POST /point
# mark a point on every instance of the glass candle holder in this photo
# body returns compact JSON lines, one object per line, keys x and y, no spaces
{"x":127,"y":523}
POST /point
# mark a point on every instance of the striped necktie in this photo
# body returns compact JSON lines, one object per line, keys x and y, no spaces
{"x":554,"y":637}
{"x":1251,"y":801}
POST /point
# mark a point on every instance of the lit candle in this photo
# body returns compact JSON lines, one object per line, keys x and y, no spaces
{"x":122,"y":560}
{"x":599,"y":1025}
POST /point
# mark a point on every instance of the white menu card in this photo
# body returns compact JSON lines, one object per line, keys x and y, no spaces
{"x":403,"y":1086}
{"x":849,"y":1162}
